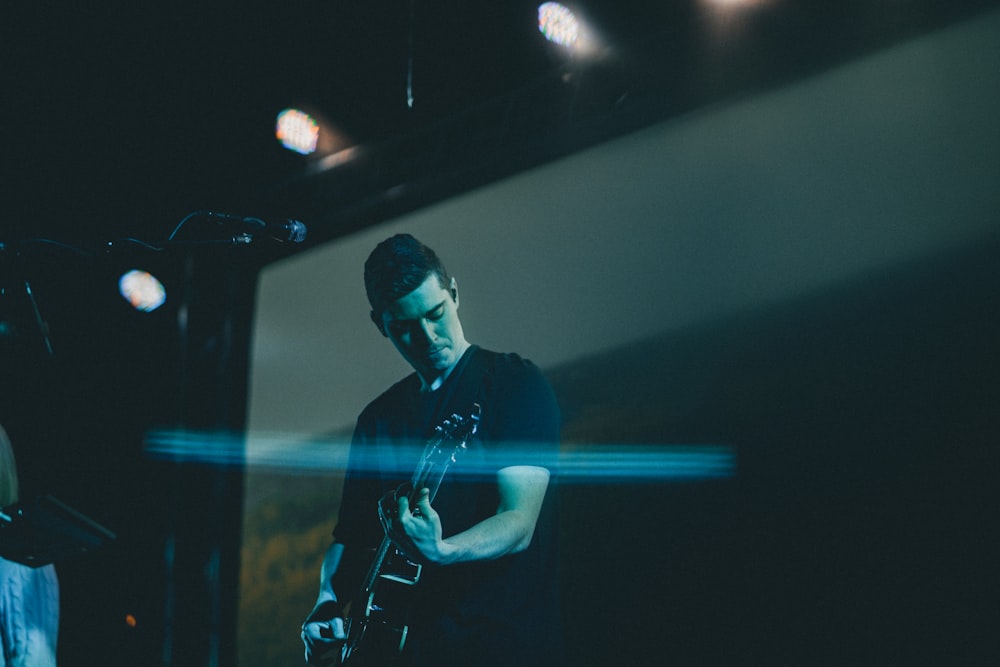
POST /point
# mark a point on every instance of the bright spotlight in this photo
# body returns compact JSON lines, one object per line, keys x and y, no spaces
{"x":558,"y":24}
{"x":297,"y":131}
{"x":142,"y":290}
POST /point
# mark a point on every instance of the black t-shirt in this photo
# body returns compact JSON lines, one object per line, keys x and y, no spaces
{"x":483,"y":613}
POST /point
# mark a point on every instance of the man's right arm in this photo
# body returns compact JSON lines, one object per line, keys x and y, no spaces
{"x":323,"y":629}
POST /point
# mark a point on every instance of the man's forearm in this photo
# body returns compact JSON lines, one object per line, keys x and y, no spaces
{"x":501,"y":534}
{"x":331,"y":563}
{"x":521,"y":490}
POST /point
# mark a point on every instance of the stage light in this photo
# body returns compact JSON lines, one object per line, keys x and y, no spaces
{"x":571,"y":31}
{"x":297,"y":131}
{"x":735,"y":3}
{"x":558,"y":24}
{"x":142,"y":290}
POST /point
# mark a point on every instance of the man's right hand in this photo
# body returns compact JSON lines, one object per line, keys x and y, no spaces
{"x":323,"y":640}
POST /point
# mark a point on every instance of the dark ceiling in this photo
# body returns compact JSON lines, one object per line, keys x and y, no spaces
{"x":120,"y":117}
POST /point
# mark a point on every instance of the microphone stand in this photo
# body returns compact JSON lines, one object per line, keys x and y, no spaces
{"x":241,"y":239}
{"x":43,"y":326}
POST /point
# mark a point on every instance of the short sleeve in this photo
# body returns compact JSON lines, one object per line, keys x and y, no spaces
{"x":525,"y":418}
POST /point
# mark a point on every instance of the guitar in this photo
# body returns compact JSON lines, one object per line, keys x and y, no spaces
{"x":379,"y":629}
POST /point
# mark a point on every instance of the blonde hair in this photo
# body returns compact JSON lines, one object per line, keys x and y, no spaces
{"x":8,"y":471}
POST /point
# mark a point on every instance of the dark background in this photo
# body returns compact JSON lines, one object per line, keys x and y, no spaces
{"x":119,"y":120}
{"x":859,"y":528}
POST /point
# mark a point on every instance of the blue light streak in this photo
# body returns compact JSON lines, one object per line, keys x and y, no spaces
{"x":576,"y":463}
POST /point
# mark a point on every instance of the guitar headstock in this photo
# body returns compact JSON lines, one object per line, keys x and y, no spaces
{"x":451,"y":438}
{"x":457,"y":427}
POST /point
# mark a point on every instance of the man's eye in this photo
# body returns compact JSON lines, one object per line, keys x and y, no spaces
{"x":436,"y":314}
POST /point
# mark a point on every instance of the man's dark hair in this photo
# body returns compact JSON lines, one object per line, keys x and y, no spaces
{"x":396,"y":267}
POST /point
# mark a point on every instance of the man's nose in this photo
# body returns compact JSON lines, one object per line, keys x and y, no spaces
{"x":427,"y":331}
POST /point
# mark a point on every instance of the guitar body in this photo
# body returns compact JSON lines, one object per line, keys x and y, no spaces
{"x":377,"y":635}
{"x":379,"y":622}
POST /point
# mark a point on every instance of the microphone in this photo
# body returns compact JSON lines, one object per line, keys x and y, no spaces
{"x":282,"y":230}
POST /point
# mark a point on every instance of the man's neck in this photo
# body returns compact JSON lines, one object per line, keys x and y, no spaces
{"x":435,"y":382}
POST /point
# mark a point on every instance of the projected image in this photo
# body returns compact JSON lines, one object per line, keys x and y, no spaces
{"x":735,"y":344}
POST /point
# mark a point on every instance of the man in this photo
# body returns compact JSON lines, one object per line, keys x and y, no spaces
{"x":487,"y":593}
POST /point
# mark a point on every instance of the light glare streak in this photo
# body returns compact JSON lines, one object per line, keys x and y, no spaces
{"x":580,"y":463}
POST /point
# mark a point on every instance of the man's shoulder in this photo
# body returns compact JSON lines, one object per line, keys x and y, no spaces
{"x":390,"y":399}
{"x":509,"y":371}
{"x":518,"y":401}
{"x":509,"y":362}
{"x":503,"y":361}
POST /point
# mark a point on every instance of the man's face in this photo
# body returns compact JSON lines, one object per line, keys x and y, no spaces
{"x":424,"y":327}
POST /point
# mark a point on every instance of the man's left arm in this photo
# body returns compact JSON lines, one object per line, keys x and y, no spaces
{"x":521,"y":490}
{"x":525,"y":416}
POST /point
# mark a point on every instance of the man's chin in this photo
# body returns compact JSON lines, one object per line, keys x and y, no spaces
{"x":440,"y":360}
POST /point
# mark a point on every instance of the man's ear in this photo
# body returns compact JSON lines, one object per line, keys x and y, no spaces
{"x":377,"y":321}
{"x":453,"y":289}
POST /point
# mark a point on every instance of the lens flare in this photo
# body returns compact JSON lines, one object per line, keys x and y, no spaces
{"x":610,"y":463}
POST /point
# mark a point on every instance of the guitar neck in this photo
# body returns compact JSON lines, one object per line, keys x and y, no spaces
{"x":436,"y":459}
{"x":376,"y":567}
{"x":440,"y":452}
{"x":430,"y":471}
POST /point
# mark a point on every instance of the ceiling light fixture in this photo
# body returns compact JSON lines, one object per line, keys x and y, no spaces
{"x":297,"y":131}
{"x":558,"y":24}
{"x":142,"y":290}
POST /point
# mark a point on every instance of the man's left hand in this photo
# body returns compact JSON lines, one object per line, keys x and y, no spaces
{"x":419,"y":529}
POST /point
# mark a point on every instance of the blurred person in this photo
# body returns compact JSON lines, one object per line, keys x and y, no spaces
{"x":29,"y":597}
